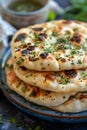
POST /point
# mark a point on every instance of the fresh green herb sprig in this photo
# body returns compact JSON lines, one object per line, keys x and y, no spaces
{"x":77,"y":10}
{"x":52,"y":15}
{"x":14,"y":121}
{"x":1,"y":119}
{"x":84,"y":74}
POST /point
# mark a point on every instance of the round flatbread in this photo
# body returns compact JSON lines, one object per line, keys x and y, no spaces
{"x":52,"y":46}
{"x":32,"y":93}
{"x":77,"y":103}
{"x":62,"y":81}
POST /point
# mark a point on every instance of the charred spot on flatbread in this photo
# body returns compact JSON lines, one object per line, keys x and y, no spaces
{"x":83,"y":96}
{"x":70,"y":73}
{"x":20,"y":37}
{"x":49,"y":77}
{"x":76,"y":38}
{"x":44,"y":55}
{"x":42,"y":36}
{"x":27,"y":50}
{"x":63,"y":59}
{"x":38,"y":29}
{"x":35,"y":92}
{"x":23,"y":68}
{"x":61,"y":47}
{"x":63,"y":40}
{"x":31,"y":48}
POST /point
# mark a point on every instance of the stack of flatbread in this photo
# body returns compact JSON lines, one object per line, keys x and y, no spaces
{"x":48,"y":65}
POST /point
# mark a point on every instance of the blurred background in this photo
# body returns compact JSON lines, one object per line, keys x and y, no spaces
{"x":73,"y":9}
{"x":60,"y":9}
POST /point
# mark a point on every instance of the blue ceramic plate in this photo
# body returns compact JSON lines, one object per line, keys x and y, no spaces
{"x":33,"y":109}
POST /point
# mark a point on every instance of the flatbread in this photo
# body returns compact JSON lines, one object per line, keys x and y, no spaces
{"x":62,"y":81}
{"x":52,"y":46}
{"x":77,"y":103}
{"x":32,"y":93}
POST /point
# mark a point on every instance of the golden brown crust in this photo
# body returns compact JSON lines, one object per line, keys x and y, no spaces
{"x":53,"y":46}
{"x":62,"y":81}
{"x":32,"y":93}
{"x":76,"y":103}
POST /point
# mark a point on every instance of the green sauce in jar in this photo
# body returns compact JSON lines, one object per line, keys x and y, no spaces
{"x":25,"y":5}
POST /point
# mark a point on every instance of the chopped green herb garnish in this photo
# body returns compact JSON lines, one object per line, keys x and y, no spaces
{"x":21,"y":59}
{"x":48,"y":50}
{"x":38,"y":128}
{"x":33,"y":93}
{"x":57,"y":58}
{"x":19,"y":83}
{"x":24,"y":89}
{"x":78,"y":48}
{"x":64,"y":97}
{"x":35,"y":59}
{"x":72,"y":63}
{"x":79,"y":61}
{"x":14,"y":121}
{"x":18,"y":62}
{"x":36,"y":43}
{"x":84,"y":74}
{"x":33,"y":53}
{"x":73,"y":52}
{"x":67,"y":47}
{"x":84,"y":48}
{"x":64,"y":41}
{"x":23,"y":40}
{"x":1,"y":120}
{"x":54,"y":34}
{"x":9,"y":66}
{"x":66,"y":81}
{"x":75,"y":29}
{"x":36,"y":35}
